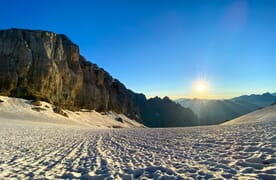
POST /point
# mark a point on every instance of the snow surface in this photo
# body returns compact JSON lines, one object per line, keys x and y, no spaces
{"x":265,"y":114}
{"x":35,"y":150}
{"x":21,"y":109}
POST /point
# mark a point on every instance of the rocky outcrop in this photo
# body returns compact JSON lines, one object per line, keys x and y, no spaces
{"x":48,"y":66}
{"x":43,"y":65}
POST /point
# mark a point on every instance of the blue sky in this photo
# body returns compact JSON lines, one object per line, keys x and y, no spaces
{"x":164,"y":47}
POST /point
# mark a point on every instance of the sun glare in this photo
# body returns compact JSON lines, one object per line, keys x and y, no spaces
{"x":201,"y":87}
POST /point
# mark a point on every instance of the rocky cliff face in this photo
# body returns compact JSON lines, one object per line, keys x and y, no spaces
{"x":40,"y":64}
{"x":46,"y":65}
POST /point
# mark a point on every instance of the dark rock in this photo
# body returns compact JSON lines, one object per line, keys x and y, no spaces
{"x":60,"y":111}
{"x":36,"y":103}
{"x":119,"y":119}
{"x":47,"y":106}
{"x":115,"y":126}
{"x":38,"y":109}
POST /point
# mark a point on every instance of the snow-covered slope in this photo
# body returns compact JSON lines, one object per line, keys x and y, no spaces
{"x":21,"y":109}
{"x":39,"y":150}
{"x":261,"y":115}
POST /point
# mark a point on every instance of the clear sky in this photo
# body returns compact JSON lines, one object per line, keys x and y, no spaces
{"x":164,"y":47}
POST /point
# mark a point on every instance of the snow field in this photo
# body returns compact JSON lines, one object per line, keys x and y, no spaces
{"x":53,"y":151}
{"x":46,"y":145}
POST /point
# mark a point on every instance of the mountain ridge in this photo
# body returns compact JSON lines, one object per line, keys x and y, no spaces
{"x":217,"y":111}
{"x":38,"y":64}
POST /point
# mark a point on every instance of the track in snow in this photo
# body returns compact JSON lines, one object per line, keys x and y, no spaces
{"x":40,"y":150}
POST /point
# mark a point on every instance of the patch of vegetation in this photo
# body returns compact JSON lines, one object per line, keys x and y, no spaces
{"x":58,"y":110}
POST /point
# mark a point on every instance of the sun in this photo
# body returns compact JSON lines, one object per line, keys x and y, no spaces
{"x":200,"y":87}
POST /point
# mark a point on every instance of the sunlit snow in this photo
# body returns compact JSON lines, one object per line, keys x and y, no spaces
{"x":39,"y":149}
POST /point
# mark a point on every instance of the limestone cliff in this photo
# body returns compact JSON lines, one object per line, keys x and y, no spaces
{"x":48,"y":66}
{"x":45,"y":65}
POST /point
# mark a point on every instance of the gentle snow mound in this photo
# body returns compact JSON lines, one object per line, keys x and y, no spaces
{"x":265,"y":114}
{"x":21,"y":109}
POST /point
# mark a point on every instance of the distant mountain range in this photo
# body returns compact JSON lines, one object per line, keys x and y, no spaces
{"x":217,"y":111}
{"x":262,"y":100}
{"x":46,"y":66}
